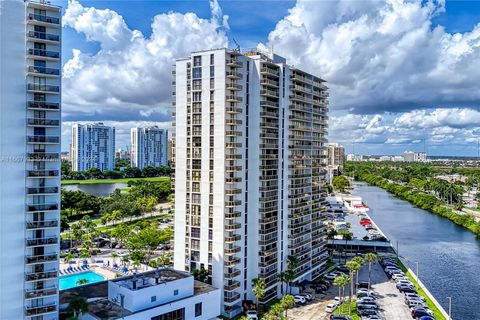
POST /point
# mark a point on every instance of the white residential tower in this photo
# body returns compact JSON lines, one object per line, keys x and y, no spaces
{"x":149,"y":147}
{"x":250,"y":134}
{"x":30,"y":103}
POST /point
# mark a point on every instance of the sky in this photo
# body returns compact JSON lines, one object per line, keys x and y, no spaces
{"x":402,"y":74}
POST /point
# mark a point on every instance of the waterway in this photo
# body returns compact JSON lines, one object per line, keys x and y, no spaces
{"x":100,"y":189}
{"x":448,"y":255}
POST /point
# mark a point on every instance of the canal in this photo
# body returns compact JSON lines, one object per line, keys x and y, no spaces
{"x":448,"y":255}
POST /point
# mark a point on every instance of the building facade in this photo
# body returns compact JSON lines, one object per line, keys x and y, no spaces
{"x":30,"y":129}
{"x":149,"y":147}
{"x":335,"y":155}
{"x":250,"y":157}
{"x":411,"y":156}
{"x":93,"y":146}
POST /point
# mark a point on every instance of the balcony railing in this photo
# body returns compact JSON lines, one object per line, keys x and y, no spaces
{"x":42,"y":242}
{"x":42,"y":224}
{"x":42,"y":173}
{"x":43,"y":18}
{"x":43,"y":156}
{"x":32,"y":294}
{"x":34,"y":276}
{"x":42,"y":207}
{"x":44,"y":70}
{"x":43,"y":139}
{"x":43,"y":87}
{"x":42,"y":190}
{"x":44,"y":53}
{"x":48,"y":257}
{"x":43,"y":122}
{"x":43,"y":105}
{"x":43,"y":36}
{"x":33,"y":311}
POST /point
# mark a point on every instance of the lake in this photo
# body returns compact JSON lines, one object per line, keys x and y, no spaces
{"x":100,"y":189}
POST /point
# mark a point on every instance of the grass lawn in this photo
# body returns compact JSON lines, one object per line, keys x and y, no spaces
{"x":438,"y":315}
{"x":344,"y":306}
{"x":108,"y":181}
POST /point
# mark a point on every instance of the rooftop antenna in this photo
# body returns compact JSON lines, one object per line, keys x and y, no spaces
{"x":237,"y":45}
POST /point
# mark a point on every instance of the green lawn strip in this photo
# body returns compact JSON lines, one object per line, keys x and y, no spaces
{"x":438,"y":315}
{"x":344,"y":306}
{"x":110,"y":181}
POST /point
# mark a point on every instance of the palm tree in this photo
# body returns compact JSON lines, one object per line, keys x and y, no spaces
{"x":78,"y":306}
{"x":81,"y":282}
{"x":352,"y":267}
{"x":114,"y":258}
{"x":258,"y":287}
{"x":331,"y":235}
{"x":370,"y":257}
{"x":341,"y":282}
{"x":287,"y":302}
{"x":361,"y":262}
{"x":164,"y":259}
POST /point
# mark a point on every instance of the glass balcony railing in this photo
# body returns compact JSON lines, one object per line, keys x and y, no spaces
{"x":43,"y":18}
{"x":43,"y":156}
{"x":33,"y":294}
{"x":43,"y":105}
{"x":42,"y":242}
{"x":34,"y":276}
{"x":42,"y":173}
{"x":42,"y":190}
{"x":43,"y":36}
{"x":44,"y":53}
{"x":43,"y":139}
{"x":33,"y":311}
{"x":43,"y":122}
{"x":43,"y":87}
{"x":42,"y":207}
{"x":48,"y":257}
{"x":42,"y":224}
{"x":44,"y":70}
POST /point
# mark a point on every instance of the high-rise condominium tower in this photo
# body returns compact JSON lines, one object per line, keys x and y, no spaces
{"x":30,"y":35}
{"x":149,"y":147}
{"x":93,"y":146}
{"x":249,"y":171}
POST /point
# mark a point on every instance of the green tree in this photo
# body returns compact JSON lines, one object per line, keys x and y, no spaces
{"x":258,"y":288}
{"x":341,"y":282}
{"x":81,"y":282}
{"x":353,"y":267}
{"x":78,"y":306}
{"x":370,"y":257}
{"x":287,"y":302}
{"x":361,"y":262}
{"x":341,"y":183}
{"x":200,"y":274}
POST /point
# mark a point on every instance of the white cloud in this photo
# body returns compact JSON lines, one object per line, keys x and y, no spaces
{"x":382,"y":55}
{"x":130,"y":76}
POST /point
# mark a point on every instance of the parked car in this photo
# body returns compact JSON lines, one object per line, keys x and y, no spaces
{"x":337,"y":300}
{"x":416,"y":304}
{"x":331,"y":276}
{"x":366,"y":300}
{"x":418,"y":313}
{"x":414,"y":295}
{"x":407,"y":289}
{"x":307,"y":296}
{"x":363,"y":306}
{"x":300,"y":299}
{"x":368,"y":314}
{"x":371,"y":317}
{"x":339,"y":317}
{"x":342,"y":268}
{"x":331,"y":307}
{"x":404,"y":283}
{"x":426,"y":318}
{"x":251,"y":314}
{"x":362,"y":285}
{"x":399,"y":276}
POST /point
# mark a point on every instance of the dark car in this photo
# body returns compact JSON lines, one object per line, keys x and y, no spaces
{"x":404,"y":289}
{"x":426,"y":318}
{"x":367,"y":312}
{"x":343,"y":269}
{"x":418,"y":313}
{"x":363,"y":285}
{"x":339,"y":317}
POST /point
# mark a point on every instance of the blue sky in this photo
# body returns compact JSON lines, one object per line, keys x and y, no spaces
{"x":399,"y":71}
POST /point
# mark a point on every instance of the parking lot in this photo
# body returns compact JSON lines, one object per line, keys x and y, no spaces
{"x":390,"y":300}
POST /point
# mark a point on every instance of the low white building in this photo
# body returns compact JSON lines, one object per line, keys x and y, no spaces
{"x":155,"y":295}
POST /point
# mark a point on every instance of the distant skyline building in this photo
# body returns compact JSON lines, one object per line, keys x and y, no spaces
{"x":149,"y":147}
{"x":93,"y":146}
{"x":30,"y":130}
{"x":250,"y":160}
{"x":411,"y":156}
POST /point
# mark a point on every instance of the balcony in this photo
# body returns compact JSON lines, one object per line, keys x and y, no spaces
{"x":233,"y":86}
{"x":234,"y":63}
{"x":40,"y":19}
{"x":233,"y":227}
{"x":34,"y":311}
{"x":33,"y":294}
{"x":231,"y":239}
{"x":43,"y":139}
{"x":233,"y":98}
{"x":43,"y":54}
{"x":35,"y":276}
{"x":42,"y":207}
{"x":43,"y":37}
{"x":32,"y":225}
{"x":41,"y":122}
{"x":232,"y":298}
{"x":43,"y":71}
{"x":42,"y":190}
{"x":43,"y":156}
{"x":42,"y":105}
{"x":43,"y":88}
{"x":234,"y":75}
{"x":232,"y":285}
{"x":269,"y":71}
{"x":231,"y":261}
{"x":41,"y":242}
{"x":269,"y":93}
{"x":232,"y":273}
{"x":48,"y":257}
{"x":233,"y":110}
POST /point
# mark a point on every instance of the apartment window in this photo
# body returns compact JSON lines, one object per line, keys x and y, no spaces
{"x":212,"y":83}
{"x":197,"y":96}
{"x":212,"y":58}
{"x":198,"y":309}
{"x":210,"y":234}
{"x":212,"y":95}
{"x":197,"y":73}
{"x":153,"y":298}
{"x":212,"y":71}
{"x":197,"y":61}
{"x":175,"y":292}
{"x":172,"y":315}
{"x":197,"y":84}
{"x":195,"y":233}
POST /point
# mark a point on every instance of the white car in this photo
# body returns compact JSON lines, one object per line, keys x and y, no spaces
{"x":411,"y":295}
{"x":337,"y":300}
{"x":307,"y":296}
{"x":367,"y":292}
{"x":331,"y":276}
{"x":398,"y":276}
{"x":300,"y":299}
{"x":366,"y":299}
{"x":331,"y":307}
{"x":251,"y":314}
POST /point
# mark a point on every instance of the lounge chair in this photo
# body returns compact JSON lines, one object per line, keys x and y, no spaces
{"x":60,"y":272}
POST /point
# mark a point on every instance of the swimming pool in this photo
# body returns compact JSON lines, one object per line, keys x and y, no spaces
{"x":72,"y":281}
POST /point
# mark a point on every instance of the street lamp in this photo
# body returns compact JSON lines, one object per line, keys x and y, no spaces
{"x":449,"y":308}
